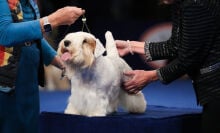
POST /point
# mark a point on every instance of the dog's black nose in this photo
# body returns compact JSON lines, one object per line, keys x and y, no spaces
{"x":66,"y":43}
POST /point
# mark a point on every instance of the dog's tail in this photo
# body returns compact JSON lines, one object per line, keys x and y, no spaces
{"x":110,"y":45}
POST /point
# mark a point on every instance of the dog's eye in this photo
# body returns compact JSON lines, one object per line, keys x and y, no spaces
{"x":84,"y":41}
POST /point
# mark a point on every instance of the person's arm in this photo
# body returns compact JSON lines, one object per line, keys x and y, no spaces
{"x":50,"y":55}
{"x":16,"y":33}
{"x":136,"y":47}
{"x":126,"y":47}
{"x":196,"y":41}
{"x":198,"y":26}
{"x":64,"y":16}
{"x":160,"y":50}
{"x":152,"y":50}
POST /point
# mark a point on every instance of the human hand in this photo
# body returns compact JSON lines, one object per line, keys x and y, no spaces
{"x":138,"y":80}
{"x":123,"y":47}
{"x":65,"y":16}
{"x":126,"y":47}
{"x":58,"y":62}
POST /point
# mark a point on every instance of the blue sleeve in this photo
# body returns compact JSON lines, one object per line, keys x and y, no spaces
{"x":15,"y":33}
{"x":48,"y":52}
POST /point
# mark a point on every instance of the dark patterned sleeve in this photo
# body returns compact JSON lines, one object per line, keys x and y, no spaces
{"x":159,"y":50}
{"x":197,"y":33}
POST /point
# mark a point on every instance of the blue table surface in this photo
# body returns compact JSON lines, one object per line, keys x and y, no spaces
{"x":177,"y":98}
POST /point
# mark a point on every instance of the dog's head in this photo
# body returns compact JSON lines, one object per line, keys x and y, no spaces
{"x":80,"y":49}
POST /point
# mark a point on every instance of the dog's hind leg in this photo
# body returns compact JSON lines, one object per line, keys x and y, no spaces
{"x":110,"y":45}
{"x":133,"y":103}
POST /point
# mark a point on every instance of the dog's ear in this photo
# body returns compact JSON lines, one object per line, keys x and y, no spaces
{"x":99,"y":50}
{"x":96,"y":46}
{"x":91,"y":43}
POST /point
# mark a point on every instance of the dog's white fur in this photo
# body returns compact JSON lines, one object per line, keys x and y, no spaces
{"x":96,"y":80}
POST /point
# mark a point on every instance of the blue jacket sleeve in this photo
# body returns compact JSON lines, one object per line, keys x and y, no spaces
{"x":16,"y":33}
{"x":48,"y":52}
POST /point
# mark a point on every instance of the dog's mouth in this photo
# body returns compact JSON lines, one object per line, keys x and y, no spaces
{"x":66,"y":55}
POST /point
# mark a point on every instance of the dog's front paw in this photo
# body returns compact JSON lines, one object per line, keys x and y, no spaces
{"x":71,"y":110}
{"x":96,"y":115}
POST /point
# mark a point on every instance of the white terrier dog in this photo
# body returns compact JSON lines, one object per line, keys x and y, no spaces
{"x":96,"y":80}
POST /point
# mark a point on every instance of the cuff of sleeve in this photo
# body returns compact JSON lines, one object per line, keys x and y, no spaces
{"x":147,"y":51}
{"x":160,"y":76}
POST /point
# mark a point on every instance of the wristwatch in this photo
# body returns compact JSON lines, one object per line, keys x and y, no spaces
{"x":47,"y":25}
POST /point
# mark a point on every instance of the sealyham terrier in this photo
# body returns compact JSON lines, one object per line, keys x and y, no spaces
{"x":96,"y":79}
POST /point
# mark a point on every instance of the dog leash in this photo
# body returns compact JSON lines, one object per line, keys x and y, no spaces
{"x":85,"y":24}
{"x":63,"y":73}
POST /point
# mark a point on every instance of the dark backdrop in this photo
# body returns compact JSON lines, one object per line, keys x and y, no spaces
{"x":126,"y":19}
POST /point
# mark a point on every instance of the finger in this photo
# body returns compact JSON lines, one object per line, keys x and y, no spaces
{"x":120,"y":43}
{"x":129,"y":73}
{"x":83,"y":11}
{"x":130,"y":84}
{"x":136,"y":91}
{"x":79,"y":11}
{"x":133,"y":91}
{"x":126,"y":87}
{"x":139,"y":89}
